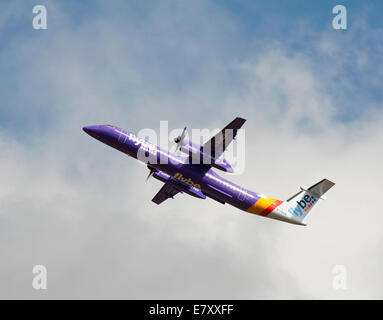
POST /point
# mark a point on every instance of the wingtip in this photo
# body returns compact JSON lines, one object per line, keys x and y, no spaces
{"x":241,"y":119}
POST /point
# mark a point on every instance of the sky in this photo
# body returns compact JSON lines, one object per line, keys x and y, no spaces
{"x":313,"y":103}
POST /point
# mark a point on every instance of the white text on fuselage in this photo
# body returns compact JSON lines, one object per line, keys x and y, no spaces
{"x":148,"y":152}
{"x":145,"y":146}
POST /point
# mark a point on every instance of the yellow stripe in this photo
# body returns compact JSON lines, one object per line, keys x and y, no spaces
{"x":261,"y":205}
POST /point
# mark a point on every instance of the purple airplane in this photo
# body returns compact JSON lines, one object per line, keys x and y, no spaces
{"x":198,"y":179}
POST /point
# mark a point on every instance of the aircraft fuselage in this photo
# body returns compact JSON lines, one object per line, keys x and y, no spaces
{"x":195,"y":179}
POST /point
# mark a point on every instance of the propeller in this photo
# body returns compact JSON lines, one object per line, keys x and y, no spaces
{"x":179,"y":139}
{"x":150,"y":173}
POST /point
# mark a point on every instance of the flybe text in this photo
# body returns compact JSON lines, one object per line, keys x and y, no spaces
{"x":145,"y":145}
{"x":303,"y":205}
{"x":189,"y":181}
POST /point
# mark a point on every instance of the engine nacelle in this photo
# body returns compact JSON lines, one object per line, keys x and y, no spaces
{"x":195,"y":151}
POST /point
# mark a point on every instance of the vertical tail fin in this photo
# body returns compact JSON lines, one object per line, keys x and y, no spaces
{"x":300,"y":204}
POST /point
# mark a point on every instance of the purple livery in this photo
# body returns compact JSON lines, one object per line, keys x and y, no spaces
{"x":198,"y":179}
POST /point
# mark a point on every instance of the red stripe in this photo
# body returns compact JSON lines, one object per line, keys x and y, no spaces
{"x":270,"y":208}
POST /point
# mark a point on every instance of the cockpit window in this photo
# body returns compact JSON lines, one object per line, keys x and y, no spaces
{"x":109,"y":125}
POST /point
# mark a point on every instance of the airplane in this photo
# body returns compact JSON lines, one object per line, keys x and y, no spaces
{"x":183,"y":174}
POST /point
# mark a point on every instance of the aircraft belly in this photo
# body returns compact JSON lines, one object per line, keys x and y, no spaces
{"x":230,"y":193}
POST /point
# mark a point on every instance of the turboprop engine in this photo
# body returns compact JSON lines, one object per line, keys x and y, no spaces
{"x":199,"y":155}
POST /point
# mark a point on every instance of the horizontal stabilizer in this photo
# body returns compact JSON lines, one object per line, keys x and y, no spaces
{"x":320,"y":188}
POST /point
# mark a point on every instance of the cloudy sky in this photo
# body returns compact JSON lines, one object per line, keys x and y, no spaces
{"x":313,"y":100}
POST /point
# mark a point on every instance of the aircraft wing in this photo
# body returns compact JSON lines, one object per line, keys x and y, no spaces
{"x":167,"y":191}
{"x":222,"y":139}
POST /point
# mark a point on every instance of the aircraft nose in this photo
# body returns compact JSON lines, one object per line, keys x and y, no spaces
{"x":91,"y":130}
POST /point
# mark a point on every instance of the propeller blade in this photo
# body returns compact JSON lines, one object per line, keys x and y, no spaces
{"x":180,"y":139}
{"x":150,"y":174}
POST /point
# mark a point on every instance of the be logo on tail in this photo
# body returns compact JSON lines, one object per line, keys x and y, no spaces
{"x":303,"y":205}
{"x":300,"y":204}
